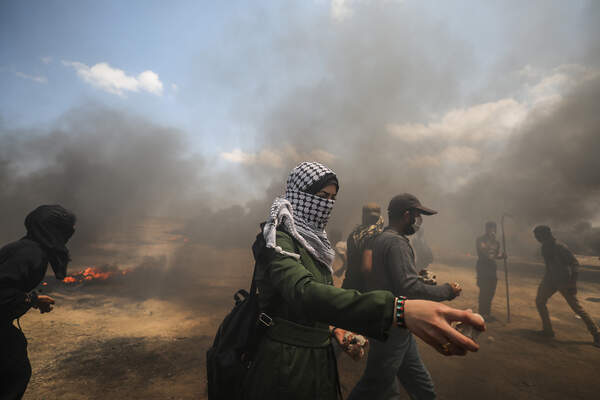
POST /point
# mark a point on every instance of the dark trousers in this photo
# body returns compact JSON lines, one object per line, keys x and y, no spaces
{"x":15,"y":369}
{"x":396,"y":361}
{"x":546,"y":289}
{"x":487,"y":290}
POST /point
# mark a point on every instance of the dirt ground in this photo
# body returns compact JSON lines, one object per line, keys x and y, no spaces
{"x":145,"y":335}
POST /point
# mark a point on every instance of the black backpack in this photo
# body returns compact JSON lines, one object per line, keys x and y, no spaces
{"x":236,"y":341}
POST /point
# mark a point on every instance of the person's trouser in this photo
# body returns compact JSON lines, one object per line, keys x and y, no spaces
{"x":15,"y":369}
{"x":546,"y":289}
{"x":487,"y":290}
{"x":396,"y":361}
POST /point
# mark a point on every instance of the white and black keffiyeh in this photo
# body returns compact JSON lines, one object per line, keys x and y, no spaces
{"x":303,"y":215}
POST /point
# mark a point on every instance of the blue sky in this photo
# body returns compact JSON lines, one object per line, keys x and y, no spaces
{"x":184,"y":43}
{"x":131,"y":36}
{"x":196,"y":50}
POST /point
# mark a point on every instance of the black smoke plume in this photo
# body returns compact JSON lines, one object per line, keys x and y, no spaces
{"x":111,"y":168}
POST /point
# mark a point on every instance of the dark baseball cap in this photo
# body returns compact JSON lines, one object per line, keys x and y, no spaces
{"x":407,"y":201}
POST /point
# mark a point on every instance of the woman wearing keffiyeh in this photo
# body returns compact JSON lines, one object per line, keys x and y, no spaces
{"x":305,"y":209}
{"x":295,"y":359}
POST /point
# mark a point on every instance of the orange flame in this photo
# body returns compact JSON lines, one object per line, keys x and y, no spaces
{"x":94,"y":273}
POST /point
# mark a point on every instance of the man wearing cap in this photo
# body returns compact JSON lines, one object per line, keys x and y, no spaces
{"x":397,"y":361}
{"x":561,"y":276}
{"x":488,"y":251}
{"x":358,"y":247}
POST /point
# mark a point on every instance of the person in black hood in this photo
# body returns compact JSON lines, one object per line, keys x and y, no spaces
{"x":23,"y":265}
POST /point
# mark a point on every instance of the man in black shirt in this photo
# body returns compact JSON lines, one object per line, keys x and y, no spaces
{"x":397,"y":360}
{"x":561,"y":275}
{"x":488,"y":251}
{"x":23,"y":265}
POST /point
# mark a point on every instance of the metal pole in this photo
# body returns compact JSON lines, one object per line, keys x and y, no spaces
{"x":505,"y":270}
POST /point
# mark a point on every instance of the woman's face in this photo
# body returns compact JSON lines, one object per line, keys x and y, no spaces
{"x":329,"y":192}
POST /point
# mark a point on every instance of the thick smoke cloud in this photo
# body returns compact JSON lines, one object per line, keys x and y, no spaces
{"x":550,"y":172}
{"x":384,"y":97}
{"x":111,"y":168}
{"x":386,"y":63}
{"x":521,"y":139}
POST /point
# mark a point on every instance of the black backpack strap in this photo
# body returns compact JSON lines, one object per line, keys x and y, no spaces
{"x":263,"y":320}
{"x":258,"y":251}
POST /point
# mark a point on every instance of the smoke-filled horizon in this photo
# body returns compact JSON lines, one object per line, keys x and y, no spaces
{"x":383,"y":97}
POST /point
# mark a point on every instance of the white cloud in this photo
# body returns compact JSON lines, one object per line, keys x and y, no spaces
{"x":469,"y":132}
{"x":343,"y":9}
{"x":46,"y":60}
{"x":150,"y":82}
{"x":265,"y":157}
{"x":340,"y":10}
{"x":482,"y":121}
{"x":236,"y":156}
{"x":35,"y":78}
{"x":275,"y":158}
{"x":501,"y":118}
{"x":550,"y":86}
{"x":116,"y":81}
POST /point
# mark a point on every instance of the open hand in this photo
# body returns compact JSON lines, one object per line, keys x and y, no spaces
{"x":431,"y":322}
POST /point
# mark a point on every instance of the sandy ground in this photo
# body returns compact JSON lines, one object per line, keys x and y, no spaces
{"x":145,"y":336}
{"x":513,"y":362}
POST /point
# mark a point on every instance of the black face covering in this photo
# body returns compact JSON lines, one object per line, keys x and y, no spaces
{"x":415,"y":224}
{"x":51,"y":226}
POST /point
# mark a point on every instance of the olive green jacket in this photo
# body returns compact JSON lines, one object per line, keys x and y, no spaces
{"x":295,"y":359}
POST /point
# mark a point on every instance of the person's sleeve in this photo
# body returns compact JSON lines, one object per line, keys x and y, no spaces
{"x":13,"y":301}
{"x":405,"y":281}
{"x":370,"y":314}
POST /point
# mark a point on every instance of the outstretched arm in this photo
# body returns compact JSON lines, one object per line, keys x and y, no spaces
{"x":371,"y":313}
{"x":431,"y":322}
